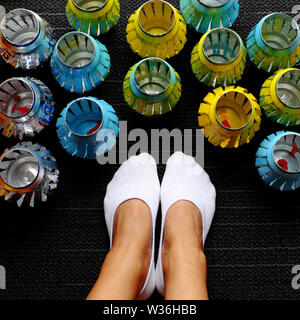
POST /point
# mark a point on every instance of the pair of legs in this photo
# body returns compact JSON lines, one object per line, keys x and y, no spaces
{"x":184,"y":262}
{"x":187,"y":199}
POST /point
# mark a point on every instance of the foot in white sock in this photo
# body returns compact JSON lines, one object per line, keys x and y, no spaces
{"x":136,"y":179}
{"x":184,"y":179}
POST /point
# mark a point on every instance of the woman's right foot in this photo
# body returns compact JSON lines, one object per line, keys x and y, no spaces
{"x":188,"y":206}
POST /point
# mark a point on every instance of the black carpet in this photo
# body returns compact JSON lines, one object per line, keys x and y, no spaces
{"x":55,"y":250}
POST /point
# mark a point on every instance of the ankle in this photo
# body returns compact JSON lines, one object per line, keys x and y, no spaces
{"x":132,"y":227}
{"x":183,"y":227}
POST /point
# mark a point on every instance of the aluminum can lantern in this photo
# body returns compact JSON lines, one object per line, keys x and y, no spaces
{"x":28,"y":173}
{"x":204,"y":15}
{"x":79,"y":62}
{"x":95,"y":17}
{"x":26,"y":40}
{"x":274,"y":43}
{"x":84,"y":126}
{"x":152,"y":87}
{"x":278,"y":160}
{"x":230,"y":117}
{"x":219,"y":58}
{"x":156,"y":29}
{"x":26,"y":107}
{"x":280,"y":97}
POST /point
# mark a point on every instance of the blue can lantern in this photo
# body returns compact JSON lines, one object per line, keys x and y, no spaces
{"x":26,"y":107}
{"x":28,"y":173}
{"x":26,"y":40}
{"x":80,"y":63}
{"x":278,"y":160}
{"x":204,"y":15}
{"x":87,"y":127}
{"x":274,"y":43}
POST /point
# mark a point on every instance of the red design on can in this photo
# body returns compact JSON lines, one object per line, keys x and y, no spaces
{"x":283,"y":164}
{"x":23,"y":110}
{"x":295,"y":149}
{"x":95,"y":128}
{"x":226,"y":124}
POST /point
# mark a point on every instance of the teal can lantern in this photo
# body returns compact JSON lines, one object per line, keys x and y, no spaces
{"x":87,"y":127}
{"x":278,"y":160}
{"x":203,"y":15}
{"x":274,"y":43}
{"x":80,"y":63}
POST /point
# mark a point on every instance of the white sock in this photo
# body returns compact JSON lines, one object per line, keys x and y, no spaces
{"x":136,"y":179}
{"x":184,"y":179}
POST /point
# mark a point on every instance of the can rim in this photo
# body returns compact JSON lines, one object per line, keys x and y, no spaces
{"x":37,"y":18}
{"x":240,"y":43}
{"x":83,"y":34}
{"x":33,"y":102}
{"x":234,"y":129}
{"x":83,"y":135}
{"x":277,"y":83}
{"x":89,"y":11}
{"x":213,"y":6}
{"x":156,"y":35}
{"x":279,"y":14}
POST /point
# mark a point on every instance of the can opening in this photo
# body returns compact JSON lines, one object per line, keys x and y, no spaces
{"x":279,"y":31}
{"x":222,"y":46}
{"x":213,"y":3}
{"x":288,"y":89}
{"x":75,"y":49}
{"x":233,"y":110}
{"x":84,"y":117}
{"x":16,"y":98}
{"x":152,"y":76}
{"x":19,"y":168}
{"x":156,"y":18}
{"x":20,"y":27}
{"x":90,"y":5}
{"x":286,"y":153}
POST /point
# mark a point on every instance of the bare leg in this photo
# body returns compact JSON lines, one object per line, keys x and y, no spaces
{"x":125,"y":268}
{"x":184,"y":262}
